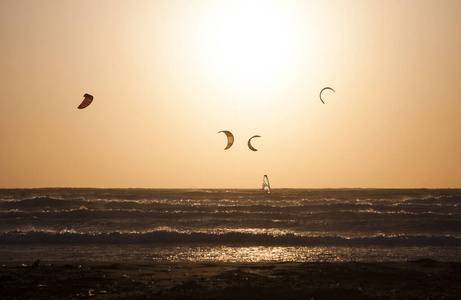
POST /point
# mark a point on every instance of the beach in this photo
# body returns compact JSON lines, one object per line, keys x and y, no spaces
{"x":421,"y":279}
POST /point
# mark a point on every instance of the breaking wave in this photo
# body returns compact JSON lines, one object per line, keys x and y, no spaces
{"x":231,"y":238}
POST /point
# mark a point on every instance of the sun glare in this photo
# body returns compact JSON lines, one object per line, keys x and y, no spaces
{"x":252,"y":45}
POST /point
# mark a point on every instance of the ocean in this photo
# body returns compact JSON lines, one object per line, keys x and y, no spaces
{"x":230,"y":225}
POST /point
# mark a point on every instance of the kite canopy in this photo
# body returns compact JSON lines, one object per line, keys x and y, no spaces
{"x":326,"y":88}
{"x":87,"y":101}
{"x":249,"y":143}
{"x":230,"y":138}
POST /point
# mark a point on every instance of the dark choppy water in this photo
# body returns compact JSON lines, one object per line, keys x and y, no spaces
{"x":230,"y":225}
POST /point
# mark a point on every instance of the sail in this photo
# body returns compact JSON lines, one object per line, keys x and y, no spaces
{"x":266,"y":186}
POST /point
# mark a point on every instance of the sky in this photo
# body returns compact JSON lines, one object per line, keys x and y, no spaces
{"x":167,"y":76}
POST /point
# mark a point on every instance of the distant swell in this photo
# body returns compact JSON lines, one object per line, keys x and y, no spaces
{"x":237,"y":238}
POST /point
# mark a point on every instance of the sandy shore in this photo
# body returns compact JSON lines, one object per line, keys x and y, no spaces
{"x":424,"y":279}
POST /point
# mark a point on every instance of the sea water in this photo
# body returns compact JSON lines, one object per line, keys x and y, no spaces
{"x":230,"y":225}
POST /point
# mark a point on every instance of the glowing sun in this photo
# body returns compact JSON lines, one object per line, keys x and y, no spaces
{"x":252,"y":43}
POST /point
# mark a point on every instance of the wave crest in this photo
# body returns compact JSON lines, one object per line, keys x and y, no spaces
{"x":231,"y":238}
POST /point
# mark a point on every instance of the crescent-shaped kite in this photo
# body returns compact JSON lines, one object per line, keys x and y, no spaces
{"x":87,"y":101}
{"x":249,"y":143}
{"x":230,"y":138}
{"x":326,"y":88}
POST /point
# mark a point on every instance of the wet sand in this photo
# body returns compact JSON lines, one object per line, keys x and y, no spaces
{"x":423,"y":279}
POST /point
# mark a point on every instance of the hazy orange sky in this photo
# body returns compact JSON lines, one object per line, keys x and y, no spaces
{"x":166,"y":76}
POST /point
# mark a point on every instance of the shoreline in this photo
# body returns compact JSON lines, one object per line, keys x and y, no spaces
{"x":418,"y":279}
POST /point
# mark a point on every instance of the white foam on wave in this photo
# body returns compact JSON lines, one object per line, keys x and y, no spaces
{"x":238,"y":238}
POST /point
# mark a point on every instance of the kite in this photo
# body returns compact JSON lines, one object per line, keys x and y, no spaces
{"x":87,"y":101}
{"x":327,"y":88}
{"x":230,"y":138}
{"x":249,"y":143}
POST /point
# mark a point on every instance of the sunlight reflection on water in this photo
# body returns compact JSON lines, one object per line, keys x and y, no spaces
{"x":303,"y":254}
{"x":193,"y":253}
